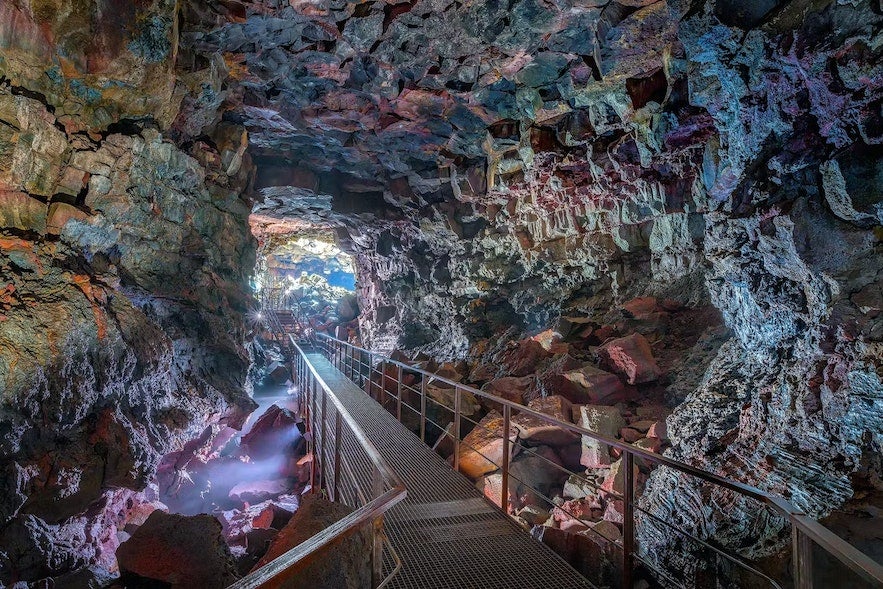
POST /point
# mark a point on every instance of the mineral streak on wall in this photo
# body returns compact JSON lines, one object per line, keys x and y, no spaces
{"x":491,"y":166}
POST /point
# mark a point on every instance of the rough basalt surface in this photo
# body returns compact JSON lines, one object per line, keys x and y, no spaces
{"x":124,"y":257}
{"x":496,"y":169}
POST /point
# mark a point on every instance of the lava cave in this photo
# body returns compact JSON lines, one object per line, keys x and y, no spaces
{"x":612,"y":268}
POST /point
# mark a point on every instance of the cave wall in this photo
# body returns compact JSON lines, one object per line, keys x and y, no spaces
{"x":493,"y":165}
{"x":490,"y":165}
{"x":124,"y":258}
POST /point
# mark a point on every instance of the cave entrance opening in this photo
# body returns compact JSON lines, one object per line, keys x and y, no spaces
{"x":307,"y":272}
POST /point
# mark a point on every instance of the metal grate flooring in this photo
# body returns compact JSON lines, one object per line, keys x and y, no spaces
{"x":447,"y":535}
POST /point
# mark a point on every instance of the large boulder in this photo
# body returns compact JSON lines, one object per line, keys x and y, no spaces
{"x":587,"y":384}
{"x":182,"y":551}
{"x":536,"y":431}
{"x":632,"y":358}
{"x":481,"y":451}
{"x":346,"y":566}
{"x":602,"y":419}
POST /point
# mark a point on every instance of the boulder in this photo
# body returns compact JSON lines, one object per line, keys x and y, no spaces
{"x":257,"y":491}
{"x":578,"y":486}
{"x":587,"y":384}
{"x":631,"y":358}
{"x":659,"y":429}
{"x":630,"y":435}
{"x":481,"y":451}
{"x":536,"y":431}
{"x":511,"y":388}
{"x":536,"y":472}
{"x":182,"y":551}
{"x":347,"y":566}
{"x":525,"y":358}
{"x":271,"y":434}
{"x":604,"y":420}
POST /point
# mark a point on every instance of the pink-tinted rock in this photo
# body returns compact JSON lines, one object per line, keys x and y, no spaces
{"x":630,"y":435}
{"x":587,"y":385}
{"x":511,"y":388}
{"x":658,"y":430}
{"x":632,"y":358}
{"x":524,"y":358}
{"x":275,"y":430}
{"x":348,"y":566}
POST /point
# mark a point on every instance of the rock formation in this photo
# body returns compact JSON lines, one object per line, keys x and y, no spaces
{"x":496,"y":170}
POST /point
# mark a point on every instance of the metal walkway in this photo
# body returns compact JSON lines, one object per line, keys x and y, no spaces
{"x":447,"y":534}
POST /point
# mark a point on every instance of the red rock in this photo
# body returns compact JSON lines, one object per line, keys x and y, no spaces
{"x":183,"y":551}
{"x":587,"y":385}
{"x":640,"y":307}
{"x":536,"y":431}
{"x":481,"y":451}
{"x":659,"y":429}
{"x":348,"y":566}
{"x":631,"y":358}
{"x":630,"y":435}
{"x":524,"y":358}
{"x":511,"y":388}
{"x":641,"y":425}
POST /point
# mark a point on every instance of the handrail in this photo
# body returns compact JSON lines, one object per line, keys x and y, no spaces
{"x":371,"y":511}
{"x":803,"y":527}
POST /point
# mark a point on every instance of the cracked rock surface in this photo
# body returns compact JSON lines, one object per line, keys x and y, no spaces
{"x":496,"y":170}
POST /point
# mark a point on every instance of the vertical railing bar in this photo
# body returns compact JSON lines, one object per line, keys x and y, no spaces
{"x":323,"y":480}
{"x":382,"y":383}
{"x":628,"y":520}
{"x":423,"y":409}
{"x":802,"y":557}
{"x":399,"y":386}
{"x":337,"y":441}
{"x":456,"y":428}
{"x":504,"y":492}
{"x":377,"y":553}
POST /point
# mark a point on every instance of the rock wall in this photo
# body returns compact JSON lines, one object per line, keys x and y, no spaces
{"x":124,"y":257}
{"x":495,"y":166}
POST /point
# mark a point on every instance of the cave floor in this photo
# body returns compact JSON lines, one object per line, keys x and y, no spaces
{"x":446,"y":533}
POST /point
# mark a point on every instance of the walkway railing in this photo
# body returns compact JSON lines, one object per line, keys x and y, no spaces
{"x":384,"y":378}
{"x":349,"y":468}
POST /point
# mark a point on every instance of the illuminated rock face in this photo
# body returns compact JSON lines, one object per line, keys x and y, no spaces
{"x":124,"y":257}
{"x":491,"y":167}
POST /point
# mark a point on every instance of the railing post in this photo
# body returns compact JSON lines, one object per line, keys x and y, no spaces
{"x":457,"y":428}
{"x":314,"y":474}
{"x":382,"y":395}
{"x":399,"y":386}
{"x":504,"y":492}
{"x":377,"y":552}
{"x":322,"y":478}
{"x":628,"y":520}
{"x":337,"y":436}
{"x":801,"y":547}
{"x":422,"y":408}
